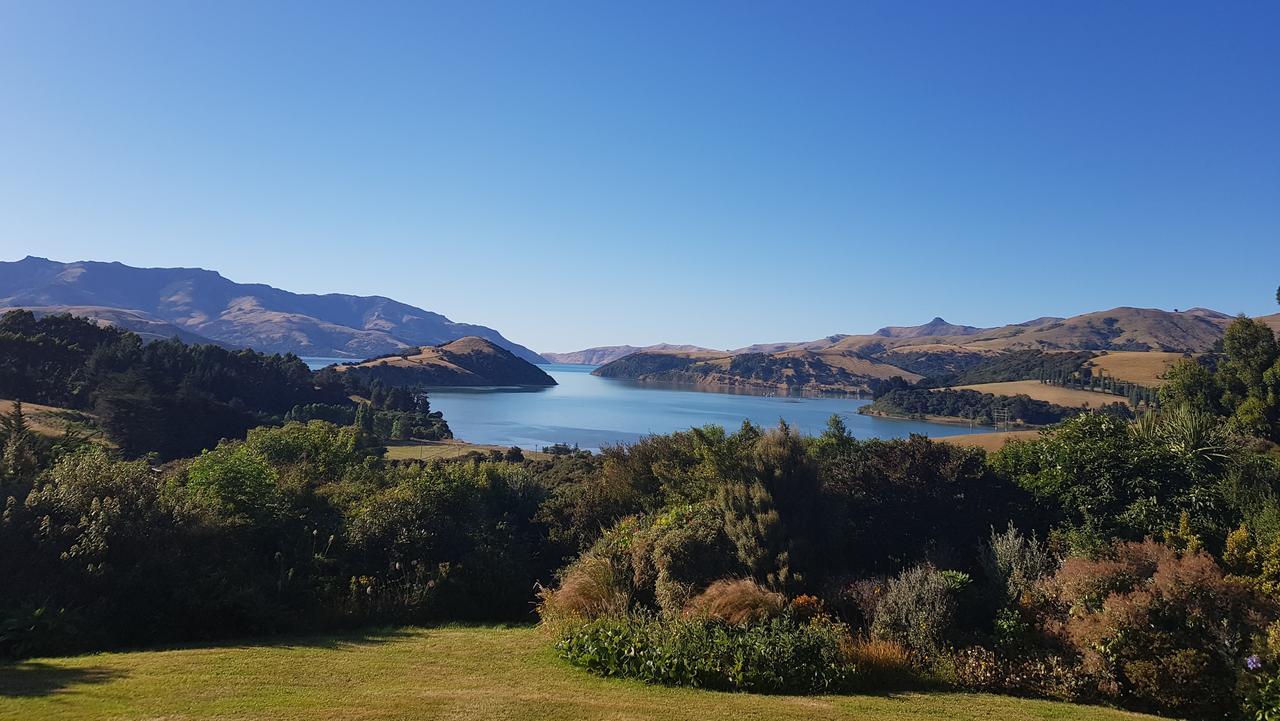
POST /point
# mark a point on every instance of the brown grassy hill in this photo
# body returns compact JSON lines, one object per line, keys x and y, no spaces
{"x":1272,"y":320}
{"x":1139,"y":343}
{"x":469,"y":361}
{"x":788,"y":371}
{"x":1118,"y":329}
{"x":1145,"y":369}
{"x":1069,"y":397}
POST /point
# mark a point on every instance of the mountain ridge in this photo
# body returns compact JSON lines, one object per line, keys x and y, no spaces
{"x":857,"y":362}
{"x":207,"y":304}
{"x":601,"y":355}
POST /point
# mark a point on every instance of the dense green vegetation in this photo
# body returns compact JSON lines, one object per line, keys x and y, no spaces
{"x":171,"y":399}
{"x":976,"y":406}
{"x":1242,"y":384}
{"x":759,"y":370}
{"x":1018,"y":365}
{"x":1107,"y":561}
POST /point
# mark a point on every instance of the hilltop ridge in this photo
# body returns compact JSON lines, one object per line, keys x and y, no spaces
{"x":203,"y":306}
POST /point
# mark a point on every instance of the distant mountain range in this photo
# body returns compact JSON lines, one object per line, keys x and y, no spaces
{"x":200,"y":305}
{"x":610,"y":353}
{"x":856,"y":362}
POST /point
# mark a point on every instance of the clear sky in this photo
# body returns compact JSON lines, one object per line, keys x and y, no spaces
{"x":579,"y":174}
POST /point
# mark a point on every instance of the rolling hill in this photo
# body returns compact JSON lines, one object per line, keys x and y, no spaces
{"x":788,"y":371}
{"x":1138,"y":341}
{"x":609,"y":353}
{"x":469,"y":361}
{"x":203,"y":306}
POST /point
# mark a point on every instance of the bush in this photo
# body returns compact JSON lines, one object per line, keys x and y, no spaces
{"x":1014,"y":562}
{"x":1161,"y":630}
{"x":777,"y":656}
{"x":1040,"y":675}
{"x":737,"y":602}
{"x":916,"y":609}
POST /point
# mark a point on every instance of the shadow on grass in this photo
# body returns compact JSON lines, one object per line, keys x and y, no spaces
{"x":35,"y":678}
{"x":332,"y":639}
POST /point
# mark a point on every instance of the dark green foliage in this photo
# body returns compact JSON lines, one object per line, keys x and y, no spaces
{"x":294,"y":528}
{"x":1242,"y":383}
{"x":164,"y":397}
{"x":1018,"y":365}
{"x":890,"y":504}
{"x":976,"y":406}
{"x":638,"y":364}
{"x":782,"y":655}
{"x":386,"y":424}
{"x":1101,"y":478}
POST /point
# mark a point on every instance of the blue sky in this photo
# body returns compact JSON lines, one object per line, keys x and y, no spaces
{"x":580,"y":174}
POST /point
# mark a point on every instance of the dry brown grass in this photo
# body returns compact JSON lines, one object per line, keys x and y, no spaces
{"x":989,"y":441}
{"x":737,"y":601}
{"x":593,"y":587}
{"x":445,"y":450}
{"x":1070,"y":397}
{"x":881,"y":663}
{"x":46,"y":420}
{"x":1145,"y":369}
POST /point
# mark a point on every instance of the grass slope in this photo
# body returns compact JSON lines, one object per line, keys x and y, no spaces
{"x":1070,"y":397}
{"x":46,"y":420}
{"x":1145,"y":369}
{"x":989,"y":442}
{"x":440,"y":674}
{"x":445,"y":450}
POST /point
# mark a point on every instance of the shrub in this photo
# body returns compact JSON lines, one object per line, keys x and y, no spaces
{"x":235,"y":476}
{"x":777,"y":656}
{"x":1262,"y":703}
{"x":806,"y":607}
{"x":1161,"y":630}
{"x":1014,"y":562}
{"x":1041,"y":674}
{"x":681,"y":553}
{"x":916,"y":609}
{"x":737,"y":602}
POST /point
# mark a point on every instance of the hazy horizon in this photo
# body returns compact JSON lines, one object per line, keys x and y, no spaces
{"x":721,"y":175}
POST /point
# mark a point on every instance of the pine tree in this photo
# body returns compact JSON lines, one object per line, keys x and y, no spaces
{"x":18,"y":461}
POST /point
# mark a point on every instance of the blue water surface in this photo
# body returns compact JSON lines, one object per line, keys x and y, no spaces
{"x":591,"y":412}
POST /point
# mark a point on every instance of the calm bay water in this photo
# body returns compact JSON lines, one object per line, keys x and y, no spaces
{"x":591,"y":412}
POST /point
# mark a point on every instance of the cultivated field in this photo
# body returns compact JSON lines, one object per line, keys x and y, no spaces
{"x":443,"y":450}
{"x":487,"y":674}
{"x":1145,"y":369}
{"x":1070,"y":397}
{"x":993,"y":441}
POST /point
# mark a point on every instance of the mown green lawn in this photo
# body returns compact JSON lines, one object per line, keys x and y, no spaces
{"x":451,"y":673}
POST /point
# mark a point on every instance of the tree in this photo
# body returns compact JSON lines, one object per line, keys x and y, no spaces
{"x":18,"y":462}
{"x":237,"y":477}
{"x":1187,"y":383}
{"x":1251,"y":349}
